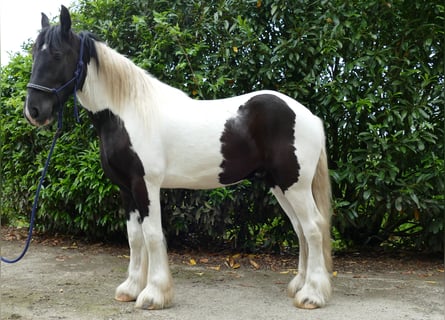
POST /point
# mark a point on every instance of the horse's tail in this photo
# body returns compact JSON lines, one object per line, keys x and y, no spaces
{"x":321,"y":191}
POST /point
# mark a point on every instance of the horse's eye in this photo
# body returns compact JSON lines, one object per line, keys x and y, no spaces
{"x":57,"y":55}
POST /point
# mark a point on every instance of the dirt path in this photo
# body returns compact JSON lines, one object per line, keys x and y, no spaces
{"x":78,"y":282}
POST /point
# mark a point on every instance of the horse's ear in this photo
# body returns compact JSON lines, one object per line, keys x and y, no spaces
{"x":45,"y":21}
{"x":65,"y":21}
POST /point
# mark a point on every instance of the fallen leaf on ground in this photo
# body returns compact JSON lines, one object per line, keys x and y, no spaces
{"x":254,"y":264}
{"x":216,"y":268}
{"x":231,"y":263}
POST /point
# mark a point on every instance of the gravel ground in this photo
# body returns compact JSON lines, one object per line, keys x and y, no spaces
{"x":66,"y":280}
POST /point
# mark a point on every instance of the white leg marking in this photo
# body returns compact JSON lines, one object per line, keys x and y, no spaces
{"x":158,"y":293}
{"x":316,"y":289}
{"x":298,"y":281}
{"x":137,"y":268}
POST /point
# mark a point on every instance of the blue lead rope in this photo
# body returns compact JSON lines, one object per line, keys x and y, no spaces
{"x":76,"y":79}
{"x":39,"y":187}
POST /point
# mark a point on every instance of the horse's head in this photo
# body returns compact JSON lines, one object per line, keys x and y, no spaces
{"x":55,"y":59}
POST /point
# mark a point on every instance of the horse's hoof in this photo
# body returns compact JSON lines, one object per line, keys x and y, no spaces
{"x":149,"y":305}
{"x":153,"y":298}
{"x":307,"y":306}
{"x":124,"y":298}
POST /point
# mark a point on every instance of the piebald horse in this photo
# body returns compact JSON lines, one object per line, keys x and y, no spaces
{"x":154,"y":136}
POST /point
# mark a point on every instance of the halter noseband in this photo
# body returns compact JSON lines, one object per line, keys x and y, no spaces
{"x":76,"y":79}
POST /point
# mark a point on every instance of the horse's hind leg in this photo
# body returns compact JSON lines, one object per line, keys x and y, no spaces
{"x":316,"y":289}
{"x":137,"y":268}
{"x":298,"y":281}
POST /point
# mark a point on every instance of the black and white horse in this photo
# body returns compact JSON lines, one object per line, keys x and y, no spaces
{"x":153,"y":136}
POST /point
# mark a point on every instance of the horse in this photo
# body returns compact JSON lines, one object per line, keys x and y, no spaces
{"x":154,"y":136}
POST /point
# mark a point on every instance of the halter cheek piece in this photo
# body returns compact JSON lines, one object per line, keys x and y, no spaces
{"x":76,"y":79}
{"x":56,"y":91}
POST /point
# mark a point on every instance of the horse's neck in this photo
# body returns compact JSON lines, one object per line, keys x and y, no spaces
{"x":114,"y":82}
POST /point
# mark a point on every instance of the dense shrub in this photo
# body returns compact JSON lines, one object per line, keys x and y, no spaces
{"x":373,"y":70}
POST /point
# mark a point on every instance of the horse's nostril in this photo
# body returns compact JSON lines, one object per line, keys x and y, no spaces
{"x":33,"y":112}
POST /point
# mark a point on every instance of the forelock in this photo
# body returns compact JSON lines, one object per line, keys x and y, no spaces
{"x":51,"y":37}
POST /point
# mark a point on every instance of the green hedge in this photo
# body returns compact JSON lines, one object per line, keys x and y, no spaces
{"x":373,"y":70}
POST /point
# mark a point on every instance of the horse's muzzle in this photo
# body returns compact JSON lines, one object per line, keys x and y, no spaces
{"x":36,"y":116}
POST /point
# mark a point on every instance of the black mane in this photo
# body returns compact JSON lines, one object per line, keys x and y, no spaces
{"x":90,"y":47}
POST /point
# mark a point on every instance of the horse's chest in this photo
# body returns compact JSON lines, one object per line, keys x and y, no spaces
{"x":119,"y":161}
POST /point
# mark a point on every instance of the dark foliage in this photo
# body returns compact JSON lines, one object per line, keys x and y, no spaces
{"x":373,"y":70}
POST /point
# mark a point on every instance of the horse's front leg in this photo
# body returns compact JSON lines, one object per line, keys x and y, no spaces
{"x":158,"y":292}
{"x":137,"y":268}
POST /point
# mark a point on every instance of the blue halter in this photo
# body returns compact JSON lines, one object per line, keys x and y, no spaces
{"x":76,"y":79}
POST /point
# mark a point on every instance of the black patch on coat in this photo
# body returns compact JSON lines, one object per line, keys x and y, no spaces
{"x":259,"y":141}
{"x":120,"y":163}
